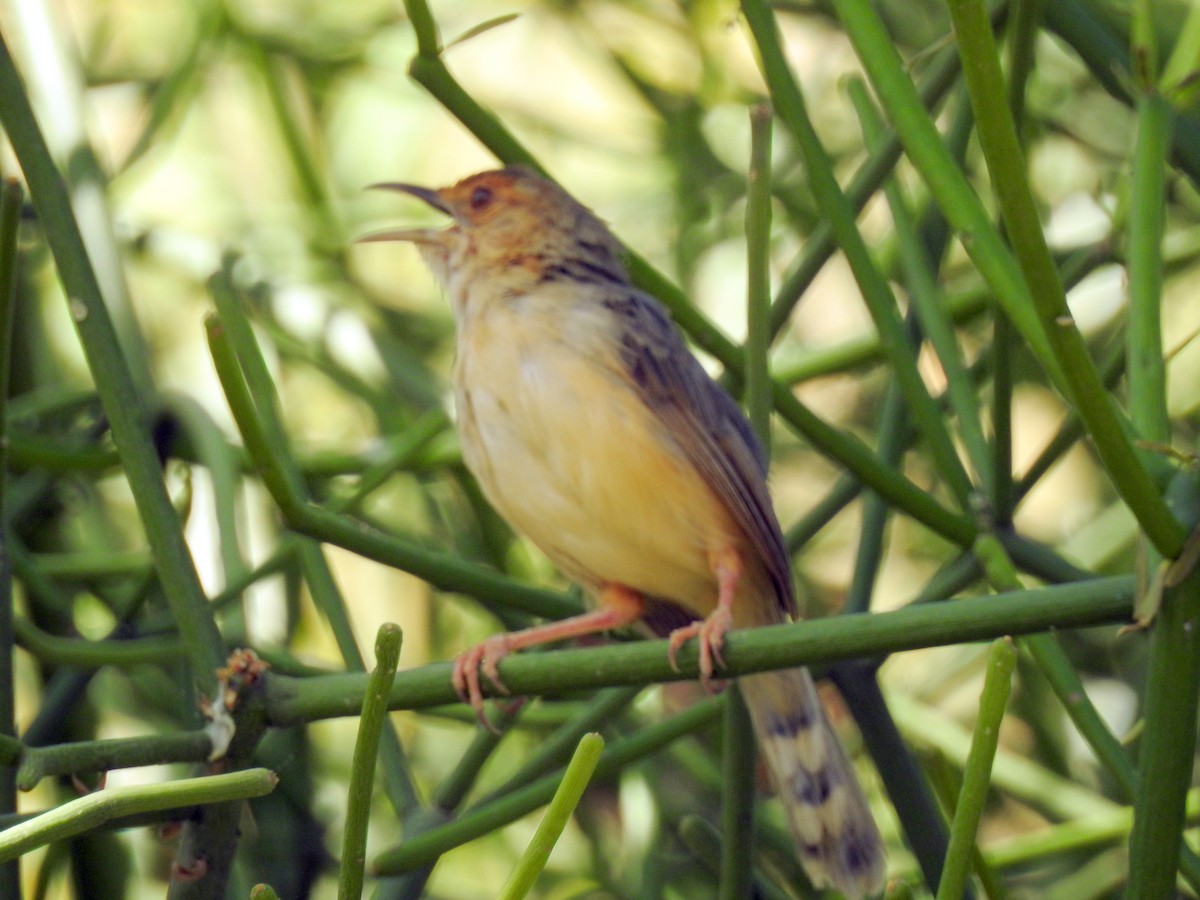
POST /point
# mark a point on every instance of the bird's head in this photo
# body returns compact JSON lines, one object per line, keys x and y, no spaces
{"x":511,"y":218}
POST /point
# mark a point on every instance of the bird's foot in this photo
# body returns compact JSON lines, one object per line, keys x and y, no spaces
{"x":710,"y":633}
{"x":471,"y":666}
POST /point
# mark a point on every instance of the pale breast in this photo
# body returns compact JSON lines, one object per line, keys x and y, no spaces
{"x":567,"y":452}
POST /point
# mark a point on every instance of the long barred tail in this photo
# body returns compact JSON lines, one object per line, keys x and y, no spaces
{"x":834,"y":830}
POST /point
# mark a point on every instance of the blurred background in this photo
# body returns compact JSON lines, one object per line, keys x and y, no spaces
{"x":198,"y":135}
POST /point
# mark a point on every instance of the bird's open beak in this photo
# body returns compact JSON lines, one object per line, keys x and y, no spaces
{"x":430,"y":196}
{"x":412,"y":235}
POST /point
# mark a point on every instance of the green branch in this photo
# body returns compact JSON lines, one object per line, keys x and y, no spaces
{"x":92,"y":811}
{"x":997,"y":686}
{"x":738,"y":770}
{"x":562,"y":805}
{"x":81,"y":757}
{"x":758,"y":276}
{"x":1076,"y":371}
{"x":124,"y":407}
{"x":11,"y":196}
{"x":790,"y":106}
{"x":817,"y":642}
{"x":362,"y":770}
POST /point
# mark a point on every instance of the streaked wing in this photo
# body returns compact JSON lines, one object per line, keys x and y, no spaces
{"x":708,"y":425}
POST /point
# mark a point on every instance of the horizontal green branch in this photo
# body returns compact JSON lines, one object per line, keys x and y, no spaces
{"x":51,"y":648}
{"x":51,"y":454}
{"x":1087,"y":833}
{"x":818,"y":642}
{"x":101,"y":756}
{"x":84,"y":814}
{"x":89,"y":565}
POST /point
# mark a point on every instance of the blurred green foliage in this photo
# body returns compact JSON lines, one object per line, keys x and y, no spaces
{"x":217,"y":156}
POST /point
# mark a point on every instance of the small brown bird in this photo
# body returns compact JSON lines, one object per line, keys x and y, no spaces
{"x":594,"y":431}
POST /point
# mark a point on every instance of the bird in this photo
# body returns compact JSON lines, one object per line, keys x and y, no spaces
{"x":595,"y":432}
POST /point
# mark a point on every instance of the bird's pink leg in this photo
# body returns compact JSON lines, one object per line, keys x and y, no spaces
{"x":617,"y":607}
{"x":727,"y":566}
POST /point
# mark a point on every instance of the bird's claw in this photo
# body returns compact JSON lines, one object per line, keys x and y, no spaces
{"x":710,"y":633}
{"x":481,"y":660}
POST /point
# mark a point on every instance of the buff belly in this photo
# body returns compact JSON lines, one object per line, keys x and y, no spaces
{"x":568,"y":453}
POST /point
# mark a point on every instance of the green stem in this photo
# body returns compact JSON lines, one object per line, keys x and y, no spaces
{"x":795,"y":366}
{"x":893,"y":434}
{"x":297,"y":142}
{"x":1071,"y":692}
{"x":81,"y":757}
{"x":454,"y":788}
{"x":1069,"y":432}
{"x":921,"y":140}
{"x":1145,"y":367}
{"x":1144,"y":45}
{"x":91,"y":565}
{"x":401,"y":449}
{"x":431,"y":73}
{"x":11,"y":196}
{"x":123,"y":404}
{"x":925,"y":294}
{"x":92,"y":811}
{"x":841,"y":495}
{"x":209,"y":839}
{"x":1185,"y":55}
{"x":562,"y":805}
{"x":57,"y":80}
{"x":429,"y":42}
{"x":1084,"y":834}
{"x":1086,"y":31}
{"x":819,"y":246}
{"x":816,"y":642}
{"x":737,"y":799}
{"x":1158,"y":813}
{"x":857,"y":458}
{"x":362,"y":768}
{"x":450,"y":794}
{"x":792,"y":110}
{"x":1004,"y":491}
{"x":1023,"y":36}
{"x":1051,"y":794}
{"x":1076,"y":372}
{"x":996,"y":688}
{"x":758,"y":285}
{"x":907,"y":785}
{"x":1168,"y":744}
{"x":214,"y":452}
{"x":401,"y":790}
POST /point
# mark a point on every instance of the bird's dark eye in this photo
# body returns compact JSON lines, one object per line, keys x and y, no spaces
{"x":480,"y":198}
